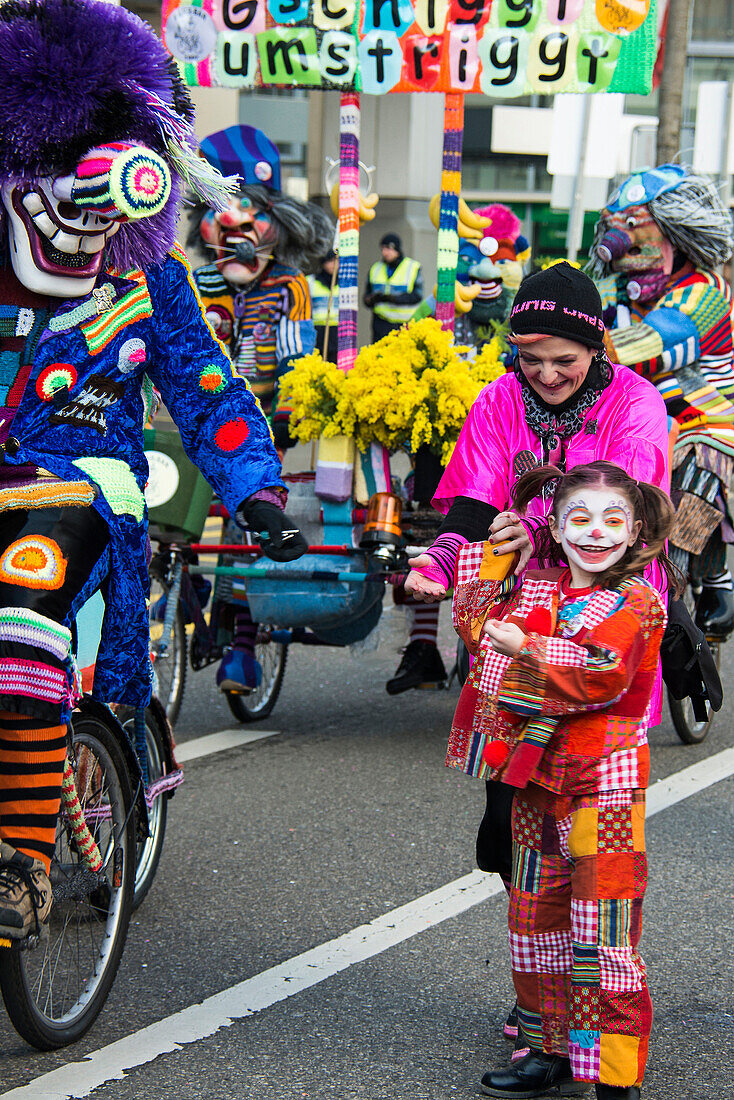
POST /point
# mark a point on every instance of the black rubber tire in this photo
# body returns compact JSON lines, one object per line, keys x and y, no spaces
{"x":690,"y":731}
{"x":148,"y":853}
{"x":114,"y":906}
{"x":259,"y":703}
{"x":170,"y":674}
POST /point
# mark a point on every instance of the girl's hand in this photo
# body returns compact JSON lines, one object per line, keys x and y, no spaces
{"x":419,"y":587}
{"x":507,"y":525}
{"x":506,"y":638}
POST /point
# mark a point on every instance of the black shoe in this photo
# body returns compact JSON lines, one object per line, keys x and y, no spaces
{"x":715,"y":611}
{"x":421,"y":664}
{"x":612,"y":1092}
{"x":538,"y":1074}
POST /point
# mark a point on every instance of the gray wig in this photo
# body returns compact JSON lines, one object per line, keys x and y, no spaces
{"x":692,"y":217}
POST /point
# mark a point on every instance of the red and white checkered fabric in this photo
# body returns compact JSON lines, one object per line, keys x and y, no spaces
{"x":619,"y":770}
{"x":621,"y":970}
{"x":553,"y":953}
{"x":584,"y":921}
{"x":559,"y":651}
{"x":585,"y":1061}
{"x":468,"y":562}
{"x":522,"y":953}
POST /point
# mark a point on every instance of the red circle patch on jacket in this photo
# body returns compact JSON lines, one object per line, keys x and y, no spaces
{"x":231,"y":435}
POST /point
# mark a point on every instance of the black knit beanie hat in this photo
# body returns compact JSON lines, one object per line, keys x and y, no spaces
{"x":392,"y":240}
{"x":560,"y":301}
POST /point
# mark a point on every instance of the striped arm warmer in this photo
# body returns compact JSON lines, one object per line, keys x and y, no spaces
{"x":443,"y":554}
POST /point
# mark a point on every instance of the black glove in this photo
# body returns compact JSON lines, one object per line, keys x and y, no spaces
{"x":284,"y":541}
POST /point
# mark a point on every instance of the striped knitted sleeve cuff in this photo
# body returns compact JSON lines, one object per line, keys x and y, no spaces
{"x":443,"y":554}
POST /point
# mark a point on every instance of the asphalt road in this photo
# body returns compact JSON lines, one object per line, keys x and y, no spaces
{"x":277,"y":847}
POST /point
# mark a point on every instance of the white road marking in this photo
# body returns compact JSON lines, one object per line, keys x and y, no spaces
{"x":112,"y":1063}
{"x":218,"y":742}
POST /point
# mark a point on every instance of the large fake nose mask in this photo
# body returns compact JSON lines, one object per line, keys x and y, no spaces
{"x":58,"y":228}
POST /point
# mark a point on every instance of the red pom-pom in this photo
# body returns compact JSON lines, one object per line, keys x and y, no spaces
{"x":495,"y":753}
{"x":231,"y":435}
{"x":539,"y":621}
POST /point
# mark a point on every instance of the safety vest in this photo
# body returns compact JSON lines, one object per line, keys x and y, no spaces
{"x":320,"y":312}
{"x":402,"y":281}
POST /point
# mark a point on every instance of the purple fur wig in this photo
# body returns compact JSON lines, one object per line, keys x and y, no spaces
{"x":78,"y":73}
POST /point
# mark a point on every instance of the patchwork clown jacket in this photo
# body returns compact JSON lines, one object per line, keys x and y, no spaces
{"x":590,"y":679}
{"x":80,"y":416}
{"x":264,"y":325}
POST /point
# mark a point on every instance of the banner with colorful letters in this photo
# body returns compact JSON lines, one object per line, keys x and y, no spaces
{"x":501,"y":48}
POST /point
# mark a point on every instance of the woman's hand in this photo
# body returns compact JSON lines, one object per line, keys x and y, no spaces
{"x":508,"y":525}
{"x":418,"y":586}
{"x":506,"y":638}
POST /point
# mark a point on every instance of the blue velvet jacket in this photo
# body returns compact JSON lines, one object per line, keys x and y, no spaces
{"x":142,"y":324}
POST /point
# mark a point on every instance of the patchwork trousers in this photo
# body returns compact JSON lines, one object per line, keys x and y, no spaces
{"x":578,"y":879}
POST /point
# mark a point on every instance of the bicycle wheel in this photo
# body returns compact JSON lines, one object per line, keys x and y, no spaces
{"x":687,"y":726}
{"x":148,"y":851}
{"x":53,"y":992}
{"x":250,"y":706}
{"x":168,"y":654}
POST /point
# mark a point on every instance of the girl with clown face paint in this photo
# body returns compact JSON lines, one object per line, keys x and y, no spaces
{"x":558,"y":706}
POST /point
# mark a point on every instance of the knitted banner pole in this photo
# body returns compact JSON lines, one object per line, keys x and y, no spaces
{"x":448,"y":236}
{"x":349,"y":118}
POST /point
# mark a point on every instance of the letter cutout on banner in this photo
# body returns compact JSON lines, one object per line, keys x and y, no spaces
{"x":235,"y":64}
{"x":596,"y":56}
{"x":622,"y":15}
{"x":244,"y":15}
{"x":422,"y":61}
{"x":289,"y":56}
{"x":288,"y":11}
{"x":387,"y":15}
{"x":463,"y":57}
{"x":504,"y":57}
{"x":380,"y":62}
{"x":469,"y":12}
{"x":564,"y":12}
{"x":338,"y":58}
{"x":333,"y":15}
{"x":516,"y":15}
{"x":552,"y":59}
{"x":430,"y":15}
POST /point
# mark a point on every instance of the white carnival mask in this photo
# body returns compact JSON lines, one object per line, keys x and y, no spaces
{"x":596,"y":526}
{"x":56,"y":247}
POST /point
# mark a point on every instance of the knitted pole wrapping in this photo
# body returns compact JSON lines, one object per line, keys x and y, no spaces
{"x":349,"y":117}
{"x":448,"y":236}
{"x":75,"y":815}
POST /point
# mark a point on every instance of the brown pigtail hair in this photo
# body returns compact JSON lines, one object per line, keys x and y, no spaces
{"x":650,"y":505}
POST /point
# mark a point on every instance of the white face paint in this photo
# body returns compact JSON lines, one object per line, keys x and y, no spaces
{"x":56,"y":248}
{"x":596,"y":527}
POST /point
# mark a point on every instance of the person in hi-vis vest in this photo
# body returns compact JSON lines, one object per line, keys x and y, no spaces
{"x":394,"y":287}
{"x":325,"y":305}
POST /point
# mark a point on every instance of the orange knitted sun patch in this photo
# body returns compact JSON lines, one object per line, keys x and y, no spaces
{"x":33,"y":561}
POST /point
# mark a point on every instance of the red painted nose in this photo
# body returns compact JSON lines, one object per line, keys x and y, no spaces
{"x":230,"y":219}
{"x":596,"y":533}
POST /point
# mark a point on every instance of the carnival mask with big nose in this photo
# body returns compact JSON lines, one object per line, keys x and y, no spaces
{"x":243,"y":237}
{"x":58,"y":227}
{"x":635,"y":247}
